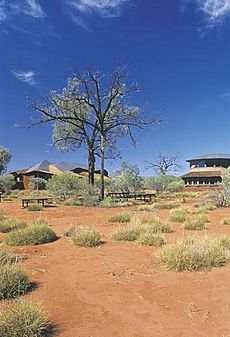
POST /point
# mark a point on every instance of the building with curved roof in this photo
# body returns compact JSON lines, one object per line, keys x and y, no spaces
{"x":207,"y":169}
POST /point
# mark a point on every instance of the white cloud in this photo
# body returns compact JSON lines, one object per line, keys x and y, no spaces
{"x":105,"y":8}
{"x":9,"y":10}
{"x":80,"y":21}
{"x":215,"y":11}
{"x":26,"y":77}
{"x":33,"y":8}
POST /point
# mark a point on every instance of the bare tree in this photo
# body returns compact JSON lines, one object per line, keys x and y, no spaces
{"x":164,"y":164}
{"x":94,"y":111}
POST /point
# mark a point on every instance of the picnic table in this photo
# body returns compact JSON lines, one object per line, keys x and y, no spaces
{"x":137,"y":196}
{"x":40,"y":200}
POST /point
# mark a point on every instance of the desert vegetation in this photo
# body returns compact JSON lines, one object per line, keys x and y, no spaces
{"x":86,"y":237}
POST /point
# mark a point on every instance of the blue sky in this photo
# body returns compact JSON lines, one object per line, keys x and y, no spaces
{"x":179,"y":49}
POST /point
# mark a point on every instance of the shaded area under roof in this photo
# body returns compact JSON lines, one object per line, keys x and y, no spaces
{"x":211,"y":156}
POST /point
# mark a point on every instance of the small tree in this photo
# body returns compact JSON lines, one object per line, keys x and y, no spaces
{"x":37,"y":184}
{"x":6,"y":183}
{"x":164,"y":164}
{"x":64,"y":185}
{"x":128,"y":181}
{"x":162,"y":182}
{"x":5,"y":157}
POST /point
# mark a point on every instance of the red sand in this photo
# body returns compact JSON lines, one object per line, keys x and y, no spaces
{"x":118,"y":289}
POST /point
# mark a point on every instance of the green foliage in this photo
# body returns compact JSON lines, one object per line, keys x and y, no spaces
{"x":8,"y":225}
{"x":37,"y":233}
{"x":23,"y":319}
{"x":196,"y":222}
{"x":179,"y":214}
{"x":225,"y":221}
{"x":5,"y":157}
{"x":121,"y":217}
{"x":148,"y":238}
{"x":72,"y":202}
{"x":64,"y":185}
{"x":14,"y":281}
{"x":154,"y":224}
{"x":194,"y":254}
{"x":129,"y":179}
{"x":219,"y":198}
{"x":164,"y":182}
{"x":35,"y":207}
{"x":86,"y":237}
{"x":37,"y":184}
{"x":6,"y":183}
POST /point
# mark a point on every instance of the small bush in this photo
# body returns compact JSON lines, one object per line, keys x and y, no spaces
{"x":13,"y":281}
{"x":40,"y":221}
{"x":32,"y":235}
{"x":35,"y":207}
{"x":23,"y":319}
{"x":196,"y":222}
{"x":150,"y":239}
{"x":147,"y":208}
{"x":167,"y":205}
{"x":225,"y":221}
{"x":126,"y":234}
{"x":121,"y":217}
{"x":1,"y":214}
{"x":8,"y":225}
{"x":194,"y":254}
{"x":178,"y":215}
{"x":6,"y":256}
{"x":86,"y":237}
{"x":72,"y":202}
{"x":155,"y":223}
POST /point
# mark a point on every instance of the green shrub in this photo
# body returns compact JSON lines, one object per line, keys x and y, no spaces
{"x":121,"y":217}
{"x":167,"y":205}
{"x":148,"y":238}
{"x":179,"y":214}
{"x":14,"y":281}
{"x":1,"y":214}
{"x":23,"y":319}
{"x":196,"y":222}
{"x":32,"y":235}
{"x":35,"y":207}
{"x":126,"y":234}
{"x":8,"y":225}
{"x":194,"y":254}
{"x":225,"y":221}
{"x":72,"y":202}
{"x":86,"y":237}
{"x":147,"y":208}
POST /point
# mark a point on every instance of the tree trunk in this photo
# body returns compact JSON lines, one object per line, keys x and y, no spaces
{"x":102,"y":175}
{"x":91,"y":167}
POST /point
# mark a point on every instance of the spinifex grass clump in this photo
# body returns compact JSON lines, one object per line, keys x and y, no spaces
{"x":179,"y":214}
{"x":14,"y":281}
{"x":194,"y":254}
{"x":6,"y":256}
{"x":1,"y":214}
{"x":196,"y":222}
{"x":23,"y":319}
{"x":86,"y":237}
{"x":153,"y":223}
{"x":35,"y":207}
{"x":225,"y":221}
{"x":121,"y":217}
{"x":149,"y":238}
{"x":36,"y":234}
{"x":167,"y":205}
{"x":143,"y":230}
{"x":147,"y":208}
{"x":8,"y":225}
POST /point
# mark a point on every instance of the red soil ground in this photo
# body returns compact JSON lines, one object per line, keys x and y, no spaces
{"x":118,"y":289}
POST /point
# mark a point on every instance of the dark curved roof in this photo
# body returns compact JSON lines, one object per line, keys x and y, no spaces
{"x":211,"y":156}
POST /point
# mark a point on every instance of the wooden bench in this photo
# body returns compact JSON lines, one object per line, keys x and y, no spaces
{"x":40,"y":200}
{"x":137,"y":196}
